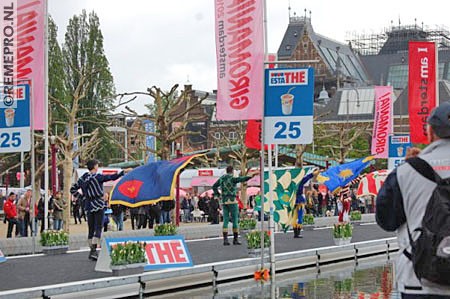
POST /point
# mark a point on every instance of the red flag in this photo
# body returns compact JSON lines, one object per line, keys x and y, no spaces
{"x":421,"y":88}
{"x":253,"y":135}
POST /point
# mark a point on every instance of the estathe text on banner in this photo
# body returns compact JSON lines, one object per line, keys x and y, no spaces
{"x":382,"y":123}
{"x":422,"y":89}
{"x":240,"y":59}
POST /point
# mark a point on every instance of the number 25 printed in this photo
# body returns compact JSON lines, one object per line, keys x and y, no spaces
{"x":7,"y":140}
{"x":283,"y":132}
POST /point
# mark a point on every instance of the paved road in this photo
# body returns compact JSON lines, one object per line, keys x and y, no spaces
{"x":32,"y":271}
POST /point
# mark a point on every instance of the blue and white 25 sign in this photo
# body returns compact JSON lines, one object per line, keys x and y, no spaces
{"x":15,"y":132}
{"x":288,"y":106}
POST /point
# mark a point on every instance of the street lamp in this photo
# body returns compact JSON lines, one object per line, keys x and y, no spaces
{"x":54,"y":169}
{"x":121,"y":130}
{"x":177,"y":193}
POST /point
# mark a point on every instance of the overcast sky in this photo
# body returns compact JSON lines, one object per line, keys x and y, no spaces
{"x":163,"y":42}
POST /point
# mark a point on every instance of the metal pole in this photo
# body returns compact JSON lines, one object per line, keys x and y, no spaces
{"x":54,"y":168}
{"x":22,"y":179}
{"x":46,"y":117}
{"x":271,"y":222}
{"x":177,"y":192}
{"x":126,"y":145}
{"x":262,"y":138}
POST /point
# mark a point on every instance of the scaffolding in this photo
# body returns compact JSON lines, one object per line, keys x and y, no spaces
{"x":394,"y":39}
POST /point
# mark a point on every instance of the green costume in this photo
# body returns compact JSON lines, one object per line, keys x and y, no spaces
{"x":227,"y":184}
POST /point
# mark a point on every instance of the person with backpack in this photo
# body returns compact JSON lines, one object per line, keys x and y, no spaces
{"x":415,"y":201}
{"x":91,"y":185}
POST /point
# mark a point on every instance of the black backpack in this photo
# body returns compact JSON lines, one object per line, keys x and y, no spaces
{"x":431,"y":251}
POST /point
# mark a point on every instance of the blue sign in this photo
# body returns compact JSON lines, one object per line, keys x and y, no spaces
{"x":15,"y":134}
{"x":398,"y":144}
{"x":149,"y":126}
{"x":289,"y":109}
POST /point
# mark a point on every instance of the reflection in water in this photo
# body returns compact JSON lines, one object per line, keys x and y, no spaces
{"x":367,"y":283}
{"x":371,"y":280}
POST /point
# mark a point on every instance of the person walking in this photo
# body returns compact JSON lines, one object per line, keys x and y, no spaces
{"x":227,"y":184}
{"x":76,"y":206}
{"x":214,"y":208}
{"x":59,"y":204}
{"x":403,"y":199}
{"x":10,"y":210}
{"x":24,"y":216}
{"x":118,"y":211}
{"x":166,"y":207}
{"x":91,"y":184}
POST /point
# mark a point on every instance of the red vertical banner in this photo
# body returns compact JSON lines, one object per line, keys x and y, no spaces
{"x":253,"y":134}
{"x":422,"y":88}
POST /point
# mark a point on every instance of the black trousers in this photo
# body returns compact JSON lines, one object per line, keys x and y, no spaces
{"x":11,"y":223}
{"x":95,"y":223}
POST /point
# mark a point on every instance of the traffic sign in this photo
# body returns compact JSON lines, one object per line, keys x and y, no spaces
{"x":288,"y":110}
{"x":15,"y":132}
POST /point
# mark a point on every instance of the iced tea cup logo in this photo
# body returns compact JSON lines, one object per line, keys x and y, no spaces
{"x":287,"y":101}
{"x":9,"y":117}
{"x":400,"y":151}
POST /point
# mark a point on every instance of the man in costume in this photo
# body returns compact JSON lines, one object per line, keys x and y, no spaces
{"x":227,"y":184}
{"x":300,"y":201}
{"x":345,"y":197}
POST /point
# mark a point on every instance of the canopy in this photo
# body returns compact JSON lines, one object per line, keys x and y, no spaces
{"x":252,"y":191}
{"x":203,"y":181}
{"x":372,"y":182}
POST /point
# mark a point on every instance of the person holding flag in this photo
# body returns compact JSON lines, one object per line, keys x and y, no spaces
{"x":227,"y":184}
{"x":300,"y":202}
{"x":91,"y":184}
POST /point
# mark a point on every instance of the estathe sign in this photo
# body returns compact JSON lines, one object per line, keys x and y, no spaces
{"x":161,"y":252}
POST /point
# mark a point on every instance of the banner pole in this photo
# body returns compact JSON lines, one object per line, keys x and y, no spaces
{"x":46,"y":178}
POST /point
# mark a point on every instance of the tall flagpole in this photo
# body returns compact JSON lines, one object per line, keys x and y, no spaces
{"x":46,"y":178}
{"x":262,"y":164}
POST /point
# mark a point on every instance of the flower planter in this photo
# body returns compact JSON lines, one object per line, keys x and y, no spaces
{"x":130,"y":269}
{"x":256,"y":252}
{"x":342,"y":241}
{"x":53,"y":250}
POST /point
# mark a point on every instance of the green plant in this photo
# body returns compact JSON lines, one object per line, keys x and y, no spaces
{"x":342,"y":230}
{"x":54,"y":238}
{"x":247,"y":223}
{"x":254,"y":239}
{"x":355,"y":215}
{"x":308,"y":219}
{"x":127,"y":253}
{"x":166,"y":229}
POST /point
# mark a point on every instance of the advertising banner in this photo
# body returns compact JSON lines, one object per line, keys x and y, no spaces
{"x":382,"y":123}
{"x":149,"y":126}
{"x":240,"y":59}
{"x":422,"y":88}
{"x":22,"y":34}
{"x":15,"y":134}
{"x":398,"y":144}
{"x":288,"y":108}
{"x":161,"y":252}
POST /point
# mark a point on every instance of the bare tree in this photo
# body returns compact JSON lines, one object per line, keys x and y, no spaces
{"x":239,"y":153}
{"x":167,"y":109}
